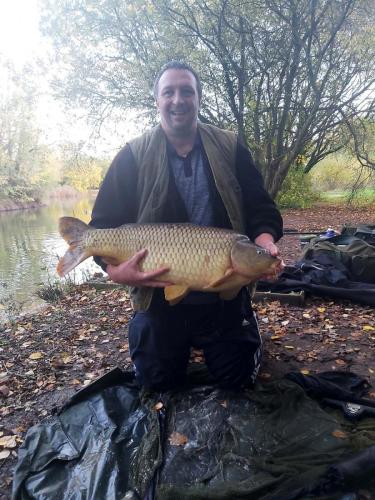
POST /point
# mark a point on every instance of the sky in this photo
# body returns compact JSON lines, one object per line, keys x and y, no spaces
{"x":19,"y":35}
{"x":21,"y":42}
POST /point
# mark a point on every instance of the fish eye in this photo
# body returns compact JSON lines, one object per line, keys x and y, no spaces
{"x":259,"y":252}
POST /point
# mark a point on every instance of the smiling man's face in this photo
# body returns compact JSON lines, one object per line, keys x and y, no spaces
{"x":178,"y":102}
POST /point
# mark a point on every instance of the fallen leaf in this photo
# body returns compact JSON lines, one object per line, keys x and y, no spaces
{"x":4,"y":390}
{"x":321,"y":309}
{"x":340,"y":362}
{"x":368,"y":328}
{"x":8,"y":442}
{"x":4,"y":454}
{"x":305,"y":372}
{"x":198,"y":359}
{"x":177,"y":439}
{"x":158,"y":406}
{"x":289,"y":347}
{"x":27,"y":344}
{"x":36,"y":355}
{"x":339,"y":434}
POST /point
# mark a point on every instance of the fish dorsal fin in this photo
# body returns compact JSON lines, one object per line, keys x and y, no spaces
{"x":174,"y":293}
{"x":230,"y":294}
{"x":228,"y":273}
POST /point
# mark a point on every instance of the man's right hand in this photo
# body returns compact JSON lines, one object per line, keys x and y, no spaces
{"x":128,"y":273}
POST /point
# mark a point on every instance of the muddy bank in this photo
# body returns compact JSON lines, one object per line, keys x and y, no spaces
{"x":8,"y":205}
{"x":59,"y":193}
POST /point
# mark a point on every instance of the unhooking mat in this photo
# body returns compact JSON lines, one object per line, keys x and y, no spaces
{"x":111,"y":441}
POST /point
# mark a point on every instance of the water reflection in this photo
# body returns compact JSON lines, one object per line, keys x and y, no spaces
{"x":30,"y":247}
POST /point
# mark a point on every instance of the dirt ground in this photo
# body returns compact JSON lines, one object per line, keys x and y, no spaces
{"x":46,"y":357}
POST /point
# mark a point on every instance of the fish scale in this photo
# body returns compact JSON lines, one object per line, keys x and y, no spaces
{"x":205,"y":249}
{"x":198,"y":257}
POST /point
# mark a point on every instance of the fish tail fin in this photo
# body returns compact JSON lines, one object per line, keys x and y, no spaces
{"x":73,"y":231}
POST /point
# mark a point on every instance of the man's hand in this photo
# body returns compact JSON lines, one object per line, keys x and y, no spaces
{"x":265,"y":240}
{"x":128,"y":273}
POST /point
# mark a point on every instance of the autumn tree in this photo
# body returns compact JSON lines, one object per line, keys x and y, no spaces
{"x":25,"y":162}
{"x":295,"y":78}
{"x":80,"y":170}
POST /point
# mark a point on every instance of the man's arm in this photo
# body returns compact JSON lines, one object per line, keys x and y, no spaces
{"x":115,"y":205}
{"x":263,"y":221}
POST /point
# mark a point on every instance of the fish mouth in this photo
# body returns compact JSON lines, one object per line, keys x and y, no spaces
{"x":277,"y":265}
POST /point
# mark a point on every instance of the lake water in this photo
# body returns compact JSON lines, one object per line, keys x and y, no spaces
{"x":30,"y":247}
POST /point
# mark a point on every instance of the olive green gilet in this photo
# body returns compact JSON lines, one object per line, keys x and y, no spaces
{"x":150,"y":154}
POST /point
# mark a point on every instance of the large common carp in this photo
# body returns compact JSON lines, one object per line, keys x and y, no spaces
{"x":198,"y":257}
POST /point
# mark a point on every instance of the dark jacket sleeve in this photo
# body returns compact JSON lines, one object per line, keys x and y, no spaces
{"x":261,"y":213}
{"x":116,"y":202}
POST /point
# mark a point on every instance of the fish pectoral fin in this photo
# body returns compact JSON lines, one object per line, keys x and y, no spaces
{"x":230,"y":294}
{"x":174,"y":293}
{"x":228,"y":273}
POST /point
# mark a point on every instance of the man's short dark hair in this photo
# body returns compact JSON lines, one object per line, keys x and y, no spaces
{"x":177,"y":65}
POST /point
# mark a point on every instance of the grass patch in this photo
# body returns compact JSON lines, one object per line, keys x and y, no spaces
{"x":362,"y":197}
{"x":53,"y":290}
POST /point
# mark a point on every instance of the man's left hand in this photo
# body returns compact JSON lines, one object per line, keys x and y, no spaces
{"x":265,"y":240}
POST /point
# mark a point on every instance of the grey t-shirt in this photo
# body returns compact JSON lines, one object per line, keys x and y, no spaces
{"x":190,"y":175}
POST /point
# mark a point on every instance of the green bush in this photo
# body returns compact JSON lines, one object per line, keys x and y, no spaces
{"x":335,"y":172}
{"x":297,"y":190}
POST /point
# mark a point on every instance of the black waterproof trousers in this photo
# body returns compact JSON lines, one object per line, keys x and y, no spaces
{"x":227,"y":331}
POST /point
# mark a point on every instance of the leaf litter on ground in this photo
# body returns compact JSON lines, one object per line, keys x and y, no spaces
{"x":46,"y":357}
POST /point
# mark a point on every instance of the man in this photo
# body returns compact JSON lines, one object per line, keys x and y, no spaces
{"x":185,"y":171}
